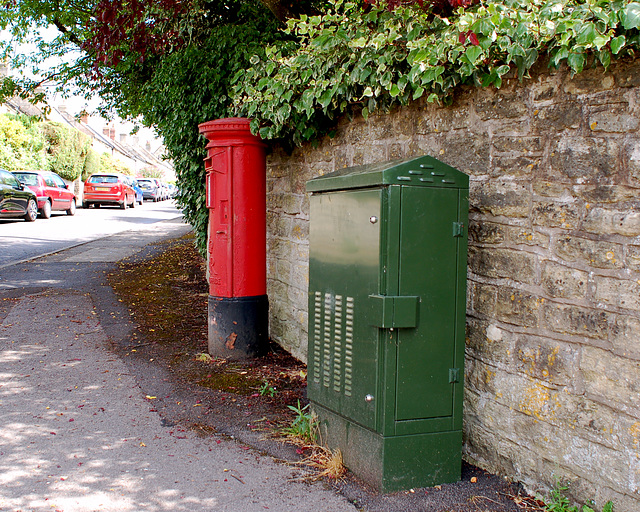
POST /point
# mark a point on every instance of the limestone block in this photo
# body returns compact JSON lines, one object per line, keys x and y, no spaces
{"x":593,"y":253}
{"x":279,"y":226}
{"x":502,"y":263}
{"x":561,"y":281}
{"x":557,"y":117}
{"x":623,"y":293}
{"x":484,"y":298}
{"x":369,"y":153}
{"x":517,"y":166}
{"x":523,"y":145}
{"x":612,"y":118}
{"x":490,"y":342}
{"x":632,"y":160}
{"x":531,"y":237}
{"x":589,"y":81}
{"x":501,"y":198}
{"x":545,"y":359}
{"x":466,"y":151}
{"x":554,"y":214}
{"x":300,"y":275}
{"x":396,"y":151}
{"x":625,"y":336}
{"x":628,"y":76}
{"x":604,"y":221}
{"x":584,"y":159}
{"x":633,"y":257}
{"x":447,"y":119}
{"x":486,"y":232}
{"x":300,"y":230}
{"x":380,"y":126}
{"x":499,"y":105}
{"x":552,"y":189}
{"x":605,"y":193}
{"x":611,"y":379}
{"x":569,"y":319}
{"x":516,"y":307}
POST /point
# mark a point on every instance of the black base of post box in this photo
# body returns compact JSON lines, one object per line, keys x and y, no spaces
{"x":238,"y":326}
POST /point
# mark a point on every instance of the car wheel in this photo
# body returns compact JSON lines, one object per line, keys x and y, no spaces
{"x":32,"y":211}
{"x":133,"y":203}
{"x":72,"y":208}
{"x":124,"y":205}
{"x":46,"y":210}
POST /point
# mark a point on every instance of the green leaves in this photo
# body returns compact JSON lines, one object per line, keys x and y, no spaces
{"x":630,"y":16}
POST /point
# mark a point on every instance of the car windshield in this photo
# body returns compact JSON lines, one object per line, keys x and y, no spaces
{"x":144,"y":184}
{"x":27,"y":178}
{"x":103,"y":179}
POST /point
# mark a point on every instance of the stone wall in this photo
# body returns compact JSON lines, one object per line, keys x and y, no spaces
{"x":553,"y":309}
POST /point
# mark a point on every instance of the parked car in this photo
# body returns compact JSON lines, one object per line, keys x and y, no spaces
{"x":15,"y":200}
{"x":109,"y":189}
{"x":52,"y":192}
{"x":150,"y":188}
{"x":136,"y":186}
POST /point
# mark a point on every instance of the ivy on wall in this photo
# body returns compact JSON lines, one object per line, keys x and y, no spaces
{"x":349,"y":61}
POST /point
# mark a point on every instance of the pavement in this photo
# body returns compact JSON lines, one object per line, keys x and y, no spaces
{"x":79,"y":433}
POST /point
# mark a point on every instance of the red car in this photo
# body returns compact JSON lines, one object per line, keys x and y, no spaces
{"x":109,"y":188}
{"x":52,"y":192}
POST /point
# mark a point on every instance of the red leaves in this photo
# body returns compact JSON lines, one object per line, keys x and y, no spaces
{"x":137,"y":27}
{"x":471,"y":35}
{"x":460,"y":3}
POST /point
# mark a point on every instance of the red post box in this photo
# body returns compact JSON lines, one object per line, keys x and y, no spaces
{"x":237,"y":246}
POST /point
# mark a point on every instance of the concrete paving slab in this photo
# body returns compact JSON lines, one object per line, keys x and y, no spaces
{"x":77,"y":434}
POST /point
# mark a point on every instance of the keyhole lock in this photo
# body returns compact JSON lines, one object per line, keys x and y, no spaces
{"x":373,"y":219}
{"x":368,"y":398}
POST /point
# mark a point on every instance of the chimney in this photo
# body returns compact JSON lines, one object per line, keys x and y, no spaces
{"x":147,"y":146}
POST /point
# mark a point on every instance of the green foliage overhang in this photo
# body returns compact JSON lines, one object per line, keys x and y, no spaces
{"x":349,"y":61}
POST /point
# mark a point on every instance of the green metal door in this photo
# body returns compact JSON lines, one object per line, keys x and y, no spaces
{"x":344,"y":267}
{"x":428,"y":268}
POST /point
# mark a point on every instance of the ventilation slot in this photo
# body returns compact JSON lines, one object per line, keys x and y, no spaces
{"x":317,"y":333}
{"x":337,"y":345}
{"x":348,"y":348}
{"x":326,"y":342}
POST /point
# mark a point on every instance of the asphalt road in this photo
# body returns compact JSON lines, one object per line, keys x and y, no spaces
{"x":21,"y":240}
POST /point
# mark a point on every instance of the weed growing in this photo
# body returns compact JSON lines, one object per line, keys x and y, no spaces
{"x":559,"y":502}
{"x":303,"y":425}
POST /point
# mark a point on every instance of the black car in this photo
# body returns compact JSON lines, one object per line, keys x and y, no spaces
{"x":16,"y":201}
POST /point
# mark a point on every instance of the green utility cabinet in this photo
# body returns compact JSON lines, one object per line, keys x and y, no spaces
{"x":387,"y":289}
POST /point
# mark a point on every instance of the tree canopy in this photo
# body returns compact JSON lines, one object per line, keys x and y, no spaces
{"x":177,"y":63}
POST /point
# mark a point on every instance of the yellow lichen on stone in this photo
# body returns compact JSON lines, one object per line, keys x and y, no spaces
{"x":539,"y":403}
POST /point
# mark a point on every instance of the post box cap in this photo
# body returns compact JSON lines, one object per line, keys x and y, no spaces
{"x":230,"y":130}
